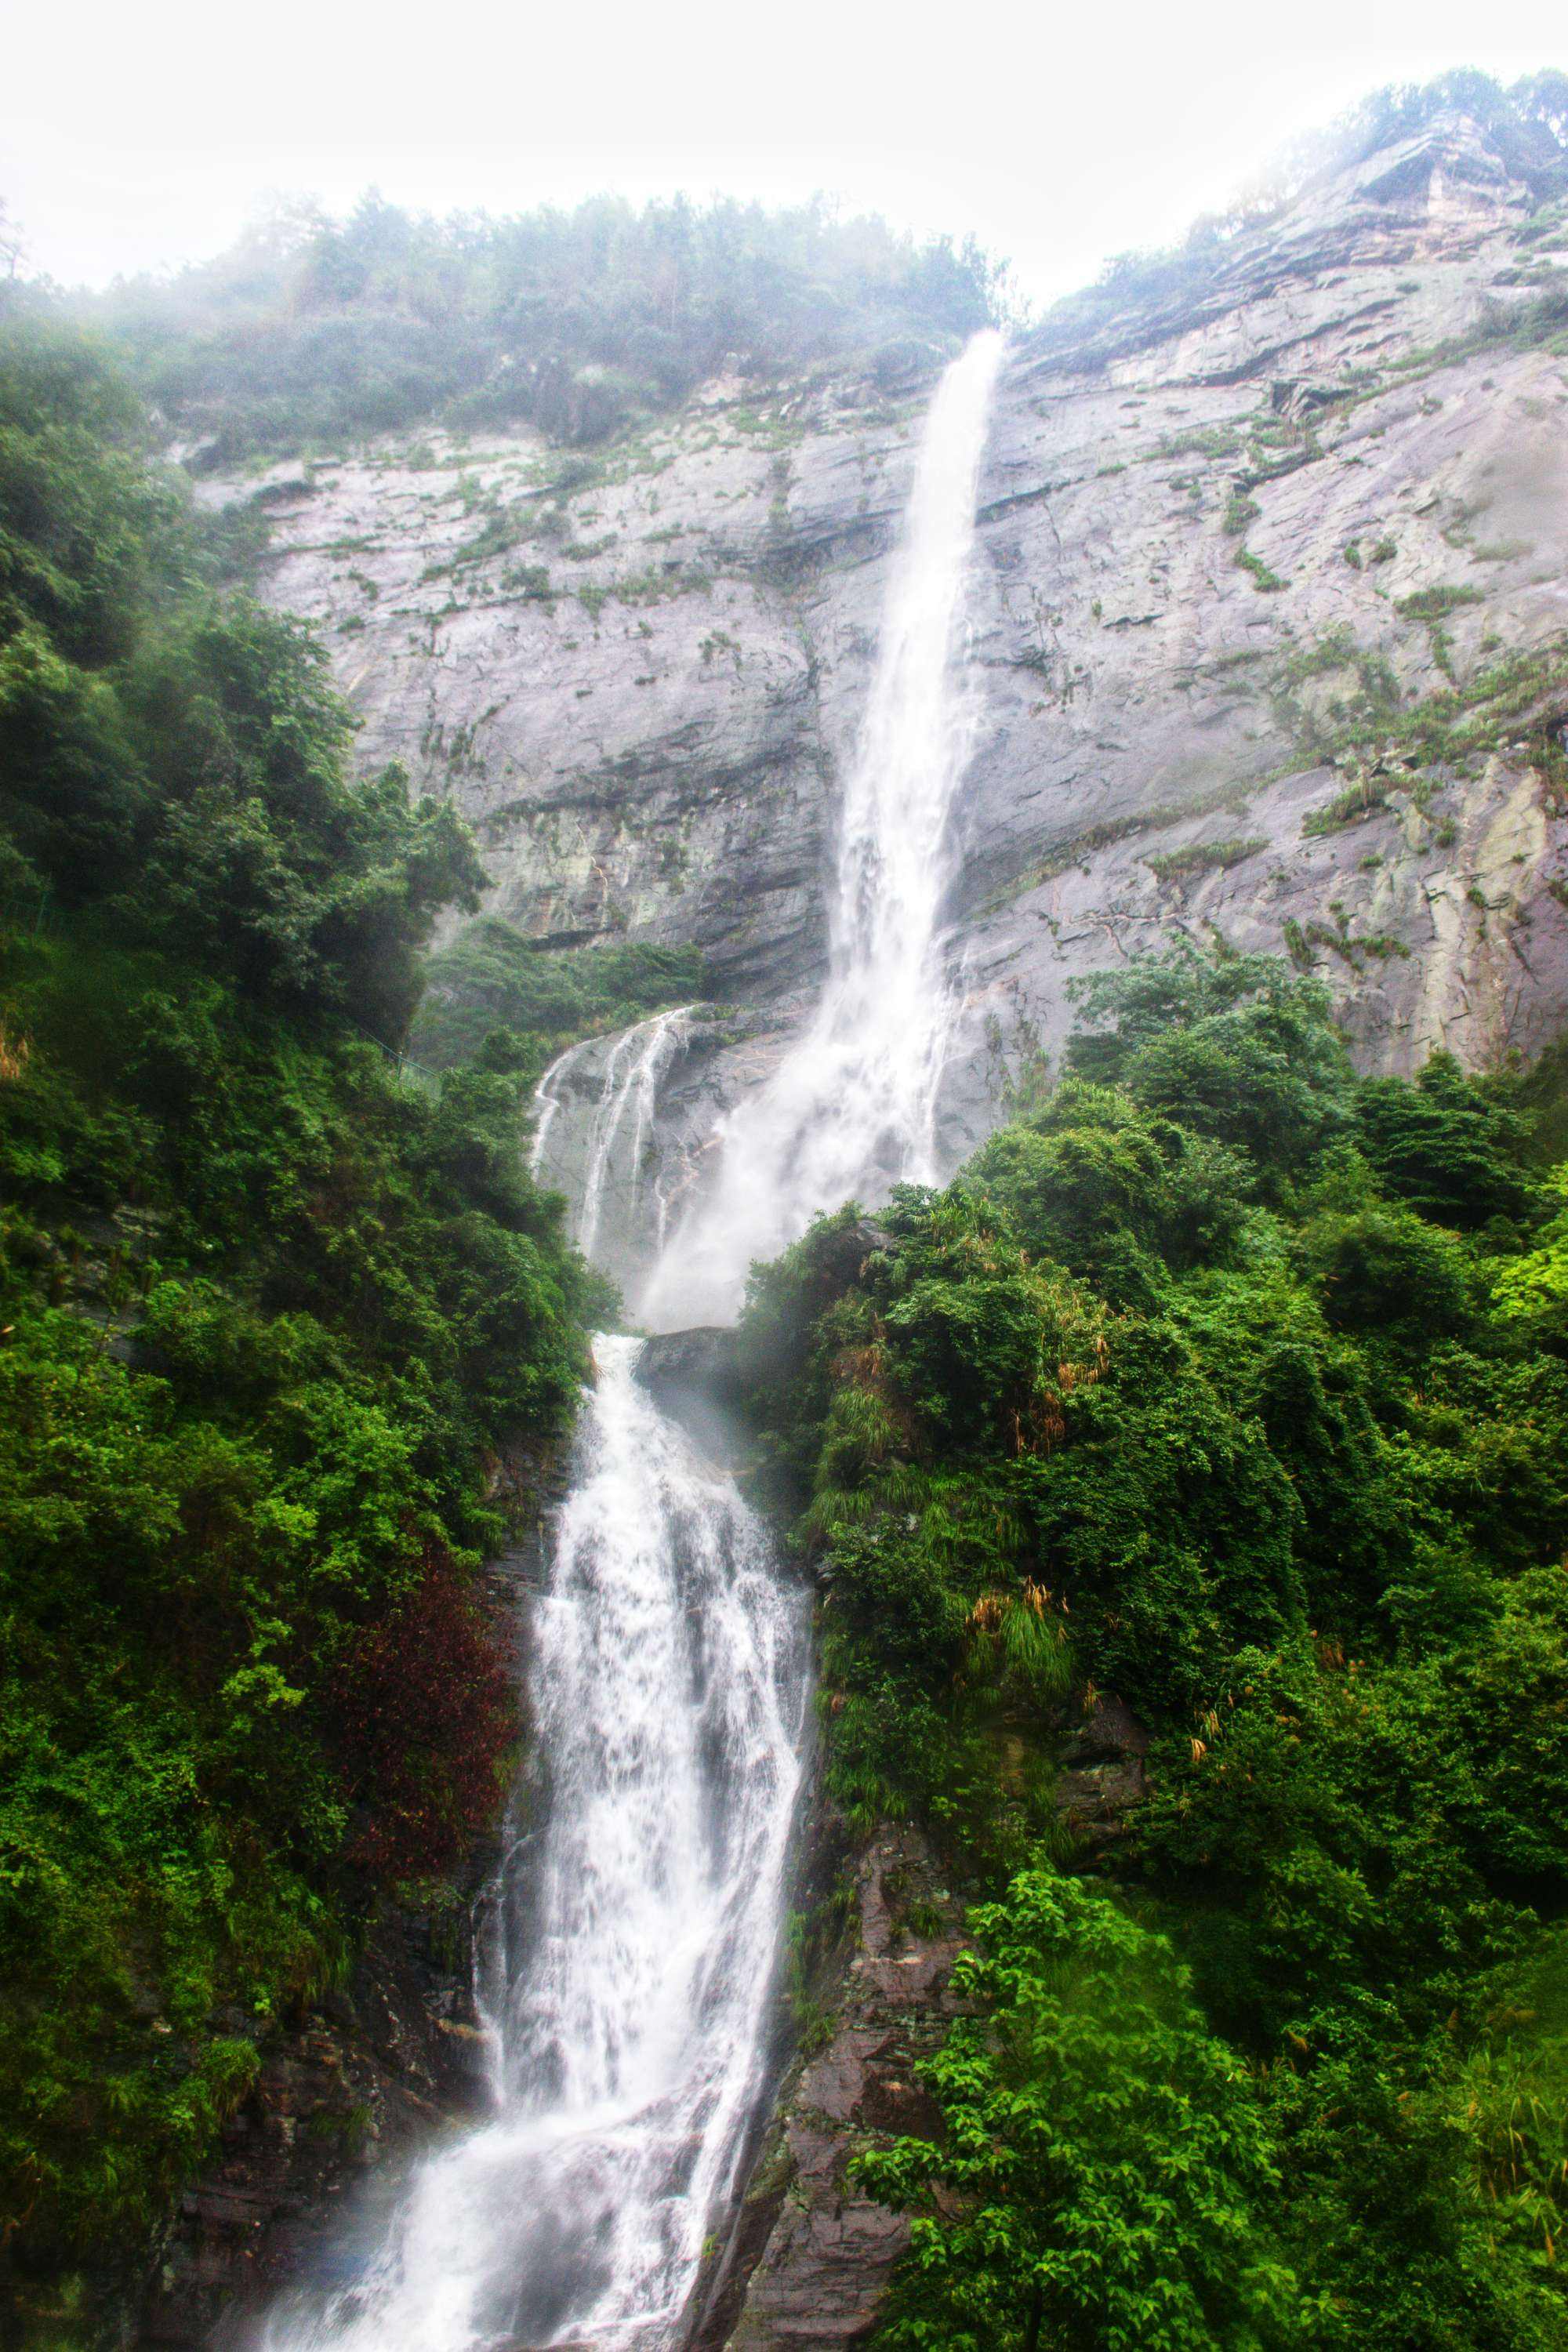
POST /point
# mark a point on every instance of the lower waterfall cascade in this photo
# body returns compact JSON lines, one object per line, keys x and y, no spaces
{"x":631,"y":1937}
{"x":627,"y":1968}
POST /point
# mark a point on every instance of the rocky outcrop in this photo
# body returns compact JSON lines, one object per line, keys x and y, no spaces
{"x":1101,"y":1771}
{"x":808,"y":2260}
{"x":1243,"y":526}
{"x":1270,"y":621}
{"x":346,"y":2094}
{"x":702,"y":1362}
{"x":823,"y":2254}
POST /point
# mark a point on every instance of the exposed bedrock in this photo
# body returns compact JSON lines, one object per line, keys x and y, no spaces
{"x":1270,"y":625}
{"x":1234,"y":542}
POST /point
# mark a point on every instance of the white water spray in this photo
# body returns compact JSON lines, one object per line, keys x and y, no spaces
{"x":606,"y":1161}
{"x":629,"y":1974}
{"x":549,"y":1102}
{"x":631,"y":1091}
{"x":850,"y":1110}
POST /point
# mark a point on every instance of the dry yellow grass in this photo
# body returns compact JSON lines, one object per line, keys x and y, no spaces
{"x":15,"y":1052}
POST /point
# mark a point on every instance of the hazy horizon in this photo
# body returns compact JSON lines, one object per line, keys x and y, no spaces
{"x":152,"y":143}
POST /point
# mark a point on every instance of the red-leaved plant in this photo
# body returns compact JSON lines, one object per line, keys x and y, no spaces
{"x":424,"y":1713}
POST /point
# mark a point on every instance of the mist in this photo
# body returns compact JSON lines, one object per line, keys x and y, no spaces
{"x":137,"y":142}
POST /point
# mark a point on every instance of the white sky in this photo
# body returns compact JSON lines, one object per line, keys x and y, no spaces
{"x":137,"y":136}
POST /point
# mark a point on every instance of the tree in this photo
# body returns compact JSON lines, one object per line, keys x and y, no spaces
{"x":1236,"y":1047}
{"x":1105,"y":2172}
{"x":1447,"y":1144}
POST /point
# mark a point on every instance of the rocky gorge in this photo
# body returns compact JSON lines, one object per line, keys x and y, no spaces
{"x":1273,"y":630}
{"x":1270,"y":616}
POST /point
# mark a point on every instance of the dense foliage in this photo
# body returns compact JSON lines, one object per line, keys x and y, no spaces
{"x":1111,"y":2164}
{"x":268,"y":1311}
{"x":490,"y":979}
{"x":318,"y":331}
{"x":1238,"y":1386}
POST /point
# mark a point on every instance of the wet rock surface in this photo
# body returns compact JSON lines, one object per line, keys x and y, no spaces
{"x":808,"y":2261}
{"x":355,"y":2086}
{"x":702,"y":1362}
{"x":359,"y":2082}
{"x":1102,"y":1773}
{"x":824,"y":2252}
{"x":1204,"y":519}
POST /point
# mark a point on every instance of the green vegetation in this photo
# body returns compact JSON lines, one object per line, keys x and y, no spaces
{"x":1086,"y":2055}
{"x":1201,"y":441}
{"x":1270,"y":581}
{"x":320,"y":331}
{"x":1512,"y":702}
{"x":268,"y":1314}
{"x":491,"y":979}
{"x":1364,"y":796}
{"x":1435,"y":603}
{"x":1356,"y":948}
{"x":1236,"y":1386}
{"x":1202,"y":857}
{"x":1365,"y":704}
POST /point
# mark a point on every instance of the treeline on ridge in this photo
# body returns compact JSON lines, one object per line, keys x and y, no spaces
{"x":316,"y":332}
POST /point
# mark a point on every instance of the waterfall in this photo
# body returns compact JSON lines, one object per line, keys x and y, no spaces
{"x":549,"y":1102}
{"x":631,"y":1088}
{"x":632,"y":1942}
{"x":606,"y":1164}
{"x":632,"y":1953}
{"x":850,"y":1110}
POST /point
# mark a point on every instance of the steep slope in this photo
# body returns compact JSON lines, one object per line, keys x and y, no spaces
{"x":1271,"y":611}
{"x":1304,"y":526}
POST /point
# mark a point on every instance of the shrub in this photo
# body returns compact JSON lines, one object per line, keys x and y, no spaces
{"x":1106,"y":2174}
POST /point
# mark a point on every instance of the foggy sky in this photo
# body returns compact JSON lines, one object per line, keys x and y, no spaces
{"x":134,"y":139}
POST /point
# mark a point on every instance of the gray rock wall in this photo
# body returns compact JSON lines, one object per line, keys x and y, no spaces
{"x":1210,"y":707}
{"x":640,"y":674}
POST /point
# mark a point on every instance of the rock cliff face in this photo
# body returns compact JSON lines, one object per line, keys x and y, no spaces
{"x":1273,"y":625}
{"x":822,"y":2254}
{"x":808,"y":2258}
{"x":1246,"y":528}
{"x":356,"y":2084}
{"x":346,"y":2094}
{"x":1271,"y":618}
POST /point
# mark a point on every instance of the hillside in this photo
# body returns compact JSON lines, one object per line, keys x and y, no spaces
{"x":286,"y":1341}
{"x":434,"y":656}
{"x":1272,"y":622}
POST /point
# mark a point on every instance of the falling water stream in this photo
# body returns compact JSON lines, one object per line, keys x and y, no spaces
{"x":850,"y":1110}
{"x":626,"y":1974}
{"x":612,"y":1174}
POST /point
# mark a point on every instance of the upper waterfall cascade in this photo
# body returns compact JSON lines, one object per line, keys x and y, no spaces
{"x":633,"y":1929}
{"x":620,"y":1202}
{"x":850,"y":1109}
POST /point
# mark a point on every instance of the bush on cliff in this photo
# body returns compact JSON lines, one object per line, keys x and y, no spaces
{"x":268,"y":1312}
{"x":1106,"y":2174}
{"x":1237,"y":1383}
